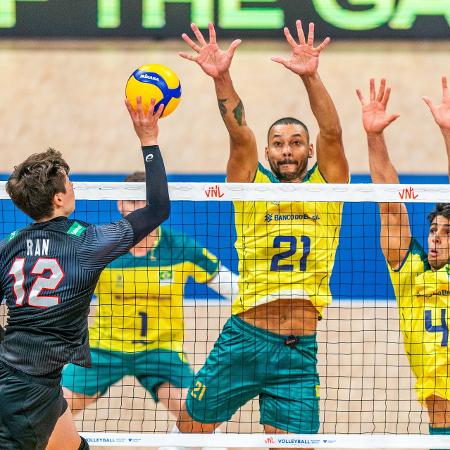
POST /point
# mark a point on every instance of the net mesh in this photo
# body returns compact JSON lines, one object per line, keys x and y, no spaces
{"x":366,"y":382}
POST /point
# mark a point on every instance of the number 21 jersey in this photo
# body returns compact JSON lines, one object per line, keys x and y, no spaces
{"x":285,"y":249}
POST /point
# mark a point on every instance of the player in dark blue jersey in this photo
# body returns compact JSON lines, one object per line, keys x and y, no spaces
{"x":48,"y":273}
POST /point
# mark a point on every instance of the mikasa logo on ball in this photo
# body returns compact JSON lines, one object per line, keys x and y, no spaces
{"x":148,"y":77}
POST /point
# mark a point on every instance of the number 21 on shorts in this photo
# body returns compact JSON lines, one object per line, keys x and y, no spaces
{"x":198,"y":391}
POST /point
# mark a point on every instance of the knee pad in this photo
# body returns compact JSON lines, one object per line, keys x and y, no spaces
{"x":84,"y":444}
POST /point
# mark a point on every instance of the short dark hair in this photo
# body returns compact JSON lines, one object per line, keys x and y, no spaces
{"x":136,"y":177}
{"x":442,"y":209}
{"x":288,"y":121}
{"x":35,"y":182}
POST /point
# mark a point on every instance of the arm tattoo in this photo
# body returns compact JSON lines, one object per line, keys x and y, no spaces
{"x":238,"y":113}
{"x":222,"y":107}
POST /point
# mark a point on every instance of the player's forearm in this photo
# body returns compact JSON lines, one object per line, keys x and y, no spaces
{"x":446,"y":136}
{"x":232,"y":110}
{"x":145,"y":220}
{"x":322,"y":107}
{"x":381,"y":168}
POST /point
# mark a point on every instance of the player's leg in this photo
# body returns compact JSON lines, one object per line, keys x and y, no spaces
{"x":171,"y":397}
{"x":227,"y":380}
{"x":82,"y":386}
{"x":166,"y":375}
{"x":439,"y":412}
{"x":65,"y":435}
{"x":78,"y":401}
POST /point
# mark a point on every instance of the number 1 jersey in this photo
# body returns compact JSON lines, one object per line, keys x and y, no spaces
{"x":285,"y":249}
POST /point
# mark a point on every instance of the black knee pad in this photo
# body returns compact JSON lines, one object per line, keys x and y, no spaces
{"x":84,"y":444}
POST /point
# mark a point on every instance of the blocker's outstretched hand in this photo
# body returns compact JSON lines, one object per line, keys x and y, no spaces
{"x":213,"y":61}
{"x":441,"y":113}
{"x":304,"y":59}
{"x":375,"y":118}
{"x":145,"y":124}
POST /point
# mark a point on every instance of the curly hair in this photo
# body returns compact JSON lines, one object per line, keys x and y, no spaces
{"x":34,"y":183}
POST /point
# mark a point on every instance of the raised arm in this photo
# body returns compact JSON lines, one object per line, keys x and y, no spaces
{"x":243,"y":159}
{"x":441,"y":114}
{"x":157,"y":209}
{"x":395,"y":229}
{"x":304,"y":61}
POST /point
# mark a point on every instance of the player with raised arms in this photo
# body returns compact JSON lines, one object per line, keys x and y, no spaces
{"x":268,"y":347}
{"x":420,"y":280}
{"x":138,"y":327}
{"x":48,"y":274}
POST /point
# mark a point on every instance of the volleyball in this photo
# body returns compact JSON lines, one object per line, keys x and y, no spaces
{"x":154,"y":81}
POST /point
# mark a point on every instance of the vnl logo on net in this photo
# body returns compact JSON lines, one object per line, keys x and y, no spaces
{"x":214,"y":192}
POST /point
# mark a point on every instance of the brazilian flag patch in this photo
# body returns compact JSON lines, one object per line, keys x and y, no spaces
{"x":76,"y":229}
{"x":166,"y":276}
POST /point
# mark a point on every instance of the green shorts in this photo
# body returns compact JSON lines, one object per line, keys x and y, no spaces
{"x":151,"y":368}
{"x":247,"y":362}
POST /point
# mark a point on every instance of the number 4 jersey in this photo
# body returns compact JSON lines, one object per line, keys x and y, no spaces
{"x":48,"y":273}
{"x":286,"y":249}
{"x":423,"y":299}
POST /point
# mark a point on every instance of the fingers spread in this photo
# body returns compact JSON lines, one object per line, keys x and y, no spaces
{"x":198,"y":35}
{"x":372,"y":89}
{"x":301,"y":34}
{"x":280,"y":60}
{"x":187,"y":56}
{"x":233,"y":46}
{"x":289,"y":38}
{"x":393,"y":117}
{"x":139,"y":108}
{"x":381,"y":90}
{"x":212,"y":34}
{"x":445,"y":87}
{"x":159,"y":111}
{"x":311,"y":34}
{"x":428,"y":101}
{"x":325,"y":42}
{"x":190,"y":42}
{"x":361,"y":97}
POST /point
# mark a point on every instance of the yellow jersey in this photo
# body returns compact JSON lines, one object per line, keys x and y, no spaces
{"x":423,"y":299}
{"x":140,"y":298}
{"x":285,"y":249}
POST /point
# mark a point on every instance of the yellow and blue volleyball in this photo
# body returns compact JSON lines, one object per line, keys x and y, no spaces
{"x":154,"y":81}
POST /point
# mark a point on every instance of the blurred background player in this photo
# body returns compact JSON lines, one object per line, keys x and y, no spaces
{"x":269,"y":344}
{"x":48,"y":274}
{"x":420,"y":280}
{"x":138,"y":326}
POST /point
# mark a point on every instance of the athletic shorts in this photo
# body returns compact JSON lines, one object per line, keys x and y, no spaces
{"x":29,"y":409}
{"x":151,"y":368}
{"x":247,"y":362}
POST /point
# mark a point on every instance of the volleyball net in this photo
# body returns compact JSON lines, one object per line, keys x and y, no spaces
{"x":161,"y":302}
